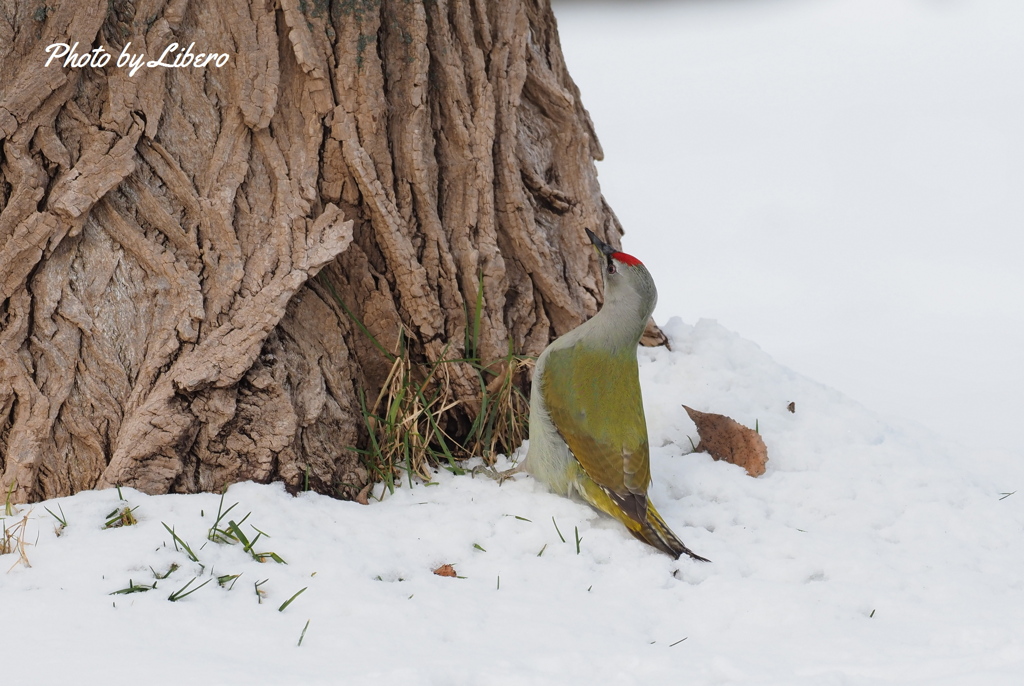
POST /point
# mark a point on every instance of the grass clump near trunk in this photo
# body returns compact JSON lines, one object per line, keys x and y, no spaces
{"x":415,"y":423}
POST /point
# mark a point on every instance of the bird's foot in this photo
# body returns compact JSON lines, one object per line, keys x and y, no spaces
{"x":499,"y":476}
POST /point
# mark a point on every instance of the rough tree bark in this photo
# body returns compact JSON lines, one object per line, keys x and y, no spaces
{"x":159,"y":327}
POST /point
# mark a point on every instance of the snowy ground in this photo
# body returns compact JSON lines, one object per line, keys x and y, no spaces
{"x":869,"y":553}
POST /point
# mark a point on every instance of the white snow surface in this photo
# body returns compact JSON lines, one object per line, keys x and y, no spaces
{"x":839,"y":178}
{"x":869,"y":553}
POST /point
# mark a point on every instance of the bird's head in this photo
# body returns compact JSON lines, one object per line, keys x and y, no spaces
{"x":628,"y":285}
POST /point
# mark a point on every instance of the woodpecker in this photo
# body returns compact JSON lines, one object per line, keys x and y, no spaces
{"x":588,"y":435}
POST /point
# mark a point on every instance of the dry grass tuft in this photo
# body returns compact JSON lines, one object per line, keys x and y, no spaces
{"x":417,"y":423}
{"x":13,"y":540}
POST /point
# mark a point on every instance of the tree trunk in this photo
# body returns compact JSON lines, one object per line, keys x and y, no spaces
{"x":159,"y":326}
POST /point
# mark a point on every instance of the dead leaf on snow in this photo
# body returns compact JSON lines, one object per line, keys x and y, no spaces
{"x":726,"y":439}
{"x":445,"y":570}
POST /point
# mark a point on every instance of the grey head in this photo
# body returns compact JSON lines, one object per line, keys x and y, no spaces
{"x":629,"y":289}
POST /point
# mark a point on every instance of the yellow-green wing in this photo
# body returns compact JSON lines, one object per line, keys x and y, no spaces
{"x":600,"y":415}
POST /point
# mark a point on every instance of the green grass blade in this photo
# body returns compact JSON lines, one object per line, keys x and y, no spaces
{"x":180,"y":593}
{"x":557,"y":529}
{"x":134,"y":588}
{"x":179,"y":541}
{"x":62,"y":519}
{"x":289,"y":601}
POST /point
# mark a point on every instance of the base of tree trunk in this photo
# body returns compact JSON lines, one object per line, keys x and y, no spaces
{"x":159,"y":324}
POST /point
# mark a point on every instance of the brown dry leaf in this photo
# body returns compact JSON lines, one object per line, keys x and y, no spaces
{"x":726,"y":439}
{"x":791,"y":407}
{"x":363,"y":497}
{"x":445,"y":570}
{"x":654,"y":336}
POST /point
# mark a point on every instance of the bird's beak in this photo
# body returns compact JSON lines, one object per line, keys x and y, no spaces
{"x":601,"y":245}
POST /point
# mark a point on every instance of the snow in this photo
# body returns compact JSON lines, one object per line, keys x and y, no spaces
{"x":871,"y":552}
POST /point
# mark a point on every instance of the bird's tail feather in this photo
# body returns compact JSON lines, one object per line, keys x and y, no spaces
{"x":653,"y":530}
{"x":656,"y":532}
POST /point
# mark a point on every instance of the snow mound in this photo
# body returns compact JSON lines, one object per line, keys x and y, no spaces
{"x":869,"y":553}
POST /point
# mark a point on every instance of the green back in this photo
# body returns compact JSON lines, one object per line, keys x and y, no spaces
{"x":600,"y":414}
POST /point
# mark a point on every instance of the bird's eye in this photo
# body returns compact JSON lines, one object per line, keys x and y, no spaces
{"x":611,"y":266}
